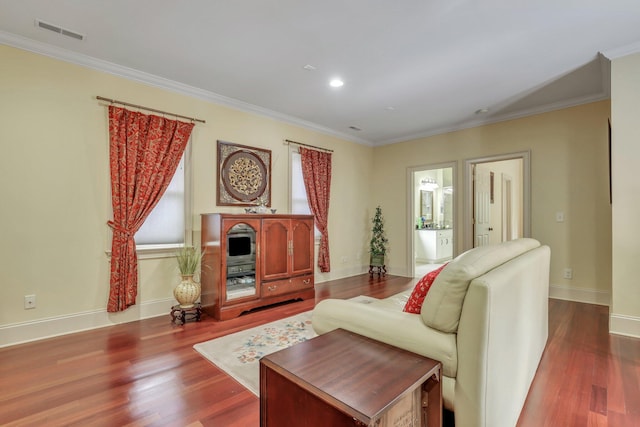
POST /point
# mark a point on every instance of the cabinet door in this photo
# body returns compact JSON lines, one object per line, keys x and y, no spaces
{"x":275,"y":248}
{"x":302,"y":246}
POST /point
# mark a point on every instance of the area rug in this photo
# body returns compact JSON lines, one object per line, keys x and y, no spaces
{"x":239,"y":354}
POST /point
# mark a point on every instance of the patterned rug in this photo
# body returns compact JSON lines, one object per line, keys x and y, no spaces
{"x":238,"y":354}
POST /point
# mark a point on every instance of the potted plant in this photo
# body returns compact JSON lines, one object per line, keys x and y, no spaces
{"x":378,"y":243}
{"x":188,"y":291}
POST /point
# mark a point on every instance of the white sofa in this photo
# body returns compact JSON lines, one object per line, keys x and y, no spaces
{"x":485,"y":318}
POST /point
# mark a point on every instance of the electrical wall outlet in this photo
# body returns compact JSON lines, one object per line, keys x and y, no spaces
{"x":29,"y":302}
{"x":568,"y":273}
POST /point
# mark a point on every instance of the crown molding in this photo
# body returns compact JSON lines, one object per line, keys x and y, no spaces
{"x":83,"y":60}
{"x":619,"y":52}
{"x":574,"y":102}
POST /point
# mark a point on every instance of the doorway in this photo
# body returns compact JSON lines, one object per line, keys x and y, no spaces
{"x":497,"y":195}
{"x":431,"y":217}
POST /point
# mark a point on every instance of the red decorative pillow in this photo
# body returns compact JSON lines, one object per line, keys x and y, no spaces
{"x":414,"y":303}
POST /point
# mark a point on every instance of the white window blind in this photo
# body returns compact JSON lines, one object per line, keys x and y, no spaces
{"x":165,"y":225}
{"x":299,"y":201}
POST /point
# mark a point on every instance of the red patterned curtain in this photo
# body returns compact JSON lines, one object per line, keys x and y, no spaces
{"x":144,"y":154}
{"x":316,"y":172}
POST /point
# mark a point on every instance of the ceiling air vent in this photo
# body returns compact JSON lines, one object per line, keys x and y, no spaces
{"x":59,"y":30}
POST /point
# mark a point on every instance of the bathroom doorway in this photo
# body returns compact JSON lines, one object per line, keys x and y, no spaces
{"x":431,"y":217}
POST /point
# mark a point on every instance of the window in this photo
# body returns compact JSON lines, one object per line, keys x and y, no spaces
{"x":166,"y":225}
{"x":299,"y":202}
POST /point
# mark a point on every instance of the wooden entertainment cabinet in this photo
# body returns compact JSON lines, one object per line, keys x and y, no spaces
{"x":254,"y":260}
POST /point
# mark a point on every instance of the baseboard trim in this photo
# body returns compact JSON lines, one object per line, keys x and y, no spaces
{"x":24,"y":332}
{"x":19,"y":333}
{"x":340,"y":273}
{"x":627,"y":326}
{"x":589,"y":296}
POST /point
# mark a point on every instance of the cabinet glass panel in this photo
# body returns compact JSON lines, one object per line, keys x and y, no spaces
{"x":241,"y":261}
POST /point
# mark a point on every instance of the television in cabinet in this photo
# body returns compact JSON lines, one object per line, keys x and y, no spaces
{"x":255,"y":260}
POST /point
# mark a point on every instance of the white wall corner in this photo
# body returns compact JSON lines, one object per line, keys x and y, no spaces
{"x":628,"y":326}
{"x":589,"y":296}
{"x":19,"y":333}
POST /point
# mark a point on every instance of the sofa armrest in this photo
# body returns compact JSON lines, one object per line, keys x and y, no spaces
{"x":501,"y":338}
{"x":397,"y":328}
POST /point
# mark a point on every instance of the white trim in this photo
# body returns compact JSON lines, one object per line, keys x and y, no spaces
{"x":24,"y":332}
{"x":559,"y":105}
{"x":628,"y":326}
{"x":467,"y":226}
{"x":605,"y":69}
{"x":620,"y":52}
{"x":163,"y":83}
{"x":340,"y":273}
{"x":588,"y":296}
{"x":411,"y":172}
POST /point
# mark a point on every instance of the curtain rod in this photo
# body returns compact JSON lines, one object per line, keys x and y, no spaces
{"x":288,"y":141}
{"x":114,"y":101}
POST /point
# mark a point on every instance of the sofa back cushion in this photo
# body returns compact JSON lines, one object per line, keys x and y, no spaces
{"x":443,"y":304}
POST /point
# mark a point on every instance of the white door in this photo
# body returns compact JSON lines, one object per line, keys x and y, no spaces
{"x":481,"y":204}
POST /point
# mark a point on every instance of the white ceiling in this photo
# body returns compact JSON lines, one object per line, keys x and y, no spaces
{"x":411,"y":68}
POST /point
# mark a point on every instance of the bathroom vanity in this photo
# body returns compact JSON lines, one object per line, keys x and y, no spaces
{"x":434,"y":245}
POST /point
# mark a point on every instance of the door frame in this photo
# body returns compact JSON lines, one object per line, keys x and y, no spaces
{"x":468,"y":192}
{"x":411,"y":171}
{"x":507,"y":211}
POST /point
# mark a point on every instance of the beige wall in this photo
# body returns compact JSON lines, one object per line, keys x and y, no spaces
{"x":56,"y":192}
{"x":569,"y":173}
{"x":625,"y":107}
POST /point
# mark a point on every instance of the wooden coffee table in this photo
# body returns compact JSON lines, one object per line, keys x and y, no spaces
{"x":344,"y":379}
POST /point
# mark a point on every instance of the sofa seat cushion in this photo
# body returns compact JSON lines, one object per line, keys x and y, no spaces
{"x":384,"y":321}
{"x":443,"y":305}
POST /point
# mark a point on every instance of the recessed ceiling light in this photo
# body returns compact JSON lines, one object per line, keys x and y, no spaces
{"x":309,"y":67}
{"x":390,"y":108}
{"x":336,"y":83}
{"x":482,"y":111}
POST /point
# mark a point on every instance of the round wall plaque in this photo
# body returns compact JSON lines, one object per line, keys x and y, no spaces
{"x":244,"y":175}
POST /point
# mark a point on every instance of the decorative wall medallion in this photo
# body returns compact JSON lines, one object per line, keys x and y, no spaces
{"x":244,"y":175}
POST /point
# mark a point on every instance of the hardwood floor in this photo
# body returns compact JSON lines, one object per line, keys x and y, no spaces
{"x":146,"y":373}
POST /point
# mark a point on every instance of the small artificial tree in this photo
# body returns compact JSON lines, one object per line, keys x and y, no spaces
{"x":378,"y":243}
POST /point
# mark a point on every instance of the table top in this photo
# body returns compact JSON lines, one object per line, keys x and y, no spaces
{"x":358,"y":375}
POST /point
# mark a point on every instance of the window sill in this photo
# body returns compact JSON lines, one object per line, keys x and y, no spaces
{"x":155,"y":251}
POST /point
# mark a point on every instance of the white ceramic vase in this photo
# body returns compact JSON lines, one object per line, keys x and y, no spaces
{"x":187,"y":292}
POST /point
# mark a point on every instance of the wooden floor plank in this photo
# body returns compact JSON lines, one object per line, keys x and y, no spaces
{"x":146,"y":373}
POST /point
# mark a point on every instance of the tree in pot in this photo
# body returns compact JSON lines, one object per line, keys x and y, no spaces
{"x":378,"y":243}
{"x":188,"y":291}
